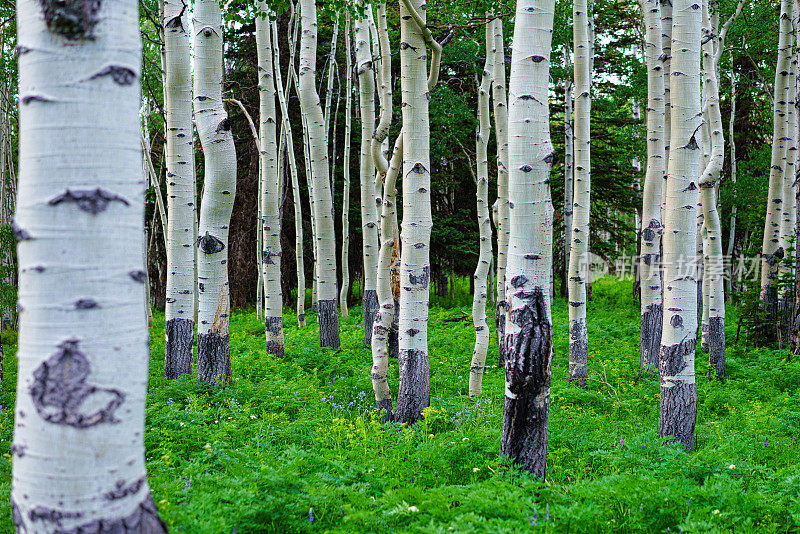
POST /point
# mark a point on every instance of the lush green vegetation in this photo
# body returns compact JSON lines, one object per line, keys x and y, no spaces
{"x":300,"y":434}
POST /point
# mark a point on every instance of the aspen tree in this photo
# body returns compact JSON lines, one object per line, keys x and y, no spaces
{"x":734,"y":208}
{"x":327,"y":293}
{"x":569,"y":163}
{"x":219,"y":189}
{"x":484,"y":223}
{"x":348,"y":128}
{"x":666,"y":45}
{"x":179,"y":158}
{"x":83,"y":345}
{"x":579,"y":249}
{"x":286,"y":133}
{"x":369,"y":215}
{"x":650,"y":259}
{"x":679,"y":327}
{"x":415,"y":270}
{"x":789,"y":205}
{"x":270,"y":229}
{"x":771,"y":252}
{"x":529,"y":328}
{"x":500,"y":99}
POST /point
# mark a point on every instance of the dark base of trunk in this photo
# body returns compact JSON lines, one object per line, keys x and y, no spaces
{"x":650,"y":337}
{"x":213,"y":358}
{"x":143,"y":520}
{"x":328,"y":324}
{"x":178,"y":350}
{"x":385,"y":407}
{"x":716,"y":347}
{"x":273,"y":328}
{"x":414,"y":394}
{"x":394,"y":333}
{"x":578,"y":354}
{"x":678,"y":398}
{"x":700,"y":309}
{"x":527,"y":402}
{"x":500,"y":324}
{"x":370,"y":302}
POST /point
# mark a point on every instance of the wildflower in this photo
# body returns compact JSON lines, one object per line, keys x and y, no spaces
{"x":188,"y":484}
{"x":465,"y":439}
{"x":621,"y":442}
{"x":766,"y":443}
{"x":547,"y":513}
{"x":413,"y":509}
{"x":311,"y":515}
{"x":715,"y":512}
{"x":731,"y":466}
{"x":430,"y":436}
{"x":475,"y":469}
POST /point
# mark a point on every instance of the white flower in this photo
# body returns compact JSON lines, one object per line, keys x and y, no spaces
{"x":715,"y":512}
{"x":731,"y":466}
{"x":413,"y":509}
{"x":465,"y":439}
{"x":475,"y":469}
{"x":430,"y":436}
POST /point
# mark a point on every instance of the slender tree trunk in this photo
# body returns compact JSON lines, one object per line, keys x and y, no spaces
{"x":666,"y":45}
{"x":219,"y":190}
{"x":481,"y":291}
{"x":771,"y":252}
{"x":569,"y":168}
{"x":579,"y":249}
{"x":789,"y":206}
{"x":271,"y":253}
{"x":679,"y":328}
{"x":348,"y":128}
{"x":529,"y":328}
{"x":650,"y":256}
{"x":83,"y":357}
{"x":500,"y":99}
{"x":369,"y":215}
{"x":286,"y":132}
{"x":327,"y":293}
{"x":734,"y":208}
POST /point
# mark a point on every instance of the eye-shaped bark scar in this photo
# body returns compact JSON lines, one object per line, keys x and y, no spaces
{"x":61,"y":395}
{"x":210,"y":244}
{"x":91,"y":201}
{"x":71,"y":19}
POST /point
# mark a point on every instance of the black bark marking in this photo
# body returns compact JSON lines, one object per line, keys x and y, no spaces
{"x":267,"y":255}
{"x":121,"y":75}
{"x":328,"y":324}
{"x":27,"y":99}
{"x":224,"y":125}
{"x":650,"y":337}
{"x":532,"y":257}
{"x":370,"y":305}
{"x":209,"y":244}
{"x":20,"y":234}
{"x":273,"y":330}
{"x":678,"y":402}
{"x":143,"y":520}
{"x":213,"y":358}
{"x":71,"y":19}
{"x":716,"y":347}
{"x":676,"y":321}
{"x":51,"y":515}
{"x":526,"y":168}
{"x":121,"y":490}
{"x":412,"y":332}
{"x":550,"y":158}
{"x":422,"y":279}
{"x":414,"y":392}
{"x":178,"y":348}
{"x":86,"y":304}
{"x":537,"y":59}
{"x":92,"y":201}
{"x":62,"y":396}
{"x":519,"y":281}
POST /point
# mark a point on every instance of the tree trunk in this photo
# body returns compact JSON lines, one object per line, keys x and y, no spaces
{"x":271,"y":253}
{"x":569,"y":169}
{"x":771,"y":252}
{"x":500,"y":98}
{"x":348,"y":128}
{"x":734,"y":208}
{"x":666,"y":45}
{"x":83,"y":346}
{"x":650,"y":256}
{"x":789,"y":205}
{"x":529,"y":328}
{"x":679,"y":327}
{"x":327,"y":293}
{"x":219,"y":190}
{"x":481,"y":290}
{"x":369,"y":214}
{"x":286,"y":132}
{"x":579,"y":249}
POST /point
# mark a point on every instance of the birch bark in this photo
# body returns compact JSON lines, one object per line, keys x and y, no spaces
{"x":569,"y":165}
{"x":529,"y":329}
{"x":83,"y":344}
{"x":219,"y":189}
{"x":679,"y":327}
{"x":650,"y":260}
{"x":327,"y":293}
{"x":484,"y":223}
{"x":579,"y":249}
{"x":348,"y":128}
{"x":271,"y":253}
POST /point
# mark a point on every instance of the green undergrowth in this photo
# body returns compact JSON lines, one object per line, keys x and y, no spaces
{"x":294,"y":444}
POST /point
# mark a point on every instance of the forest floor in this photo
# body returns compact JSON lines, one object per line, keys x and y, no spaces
{"x":294,"y":444}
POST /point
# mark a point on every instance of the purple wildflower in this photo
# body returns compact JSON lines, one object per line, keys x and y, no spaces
{"x":311,"y":515}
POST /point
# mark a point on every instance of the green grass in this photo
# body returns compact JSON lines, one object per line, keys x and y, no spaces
{"x":300,"y":433}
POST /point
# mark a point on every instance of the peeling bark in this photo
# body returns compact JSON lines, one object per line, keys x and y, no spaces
{"x":179,"y":344}
{"x":213,"y":358}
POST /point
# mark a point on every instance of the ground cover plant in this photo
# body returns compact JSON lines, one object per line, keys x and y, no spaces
{"x":295,"y":445}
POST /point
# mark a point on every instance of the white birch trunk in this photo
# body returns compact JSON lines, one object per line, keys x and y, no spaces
{"x":666,"y":45}
{"x":789,"y":205}
{"x":479,"y":321}
{"x":734,"y":208}
{"x":327,"y":293}
{"x":579,"y":249}
{"x":369,"y":215}
{"x":569,"y":161}
{"x":650,"y":259}
{"x":219,"y":190}
{"x":179,"y":152}
{"x":348,"y":128}
{"x":771,"y":252}
{"x":270,"y":229}
{"x":529,"y":328}
{"x":83,"y":344}
{"x":286,"y":130}
{"x":679,"y":327}
{"x":500,"y":99}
